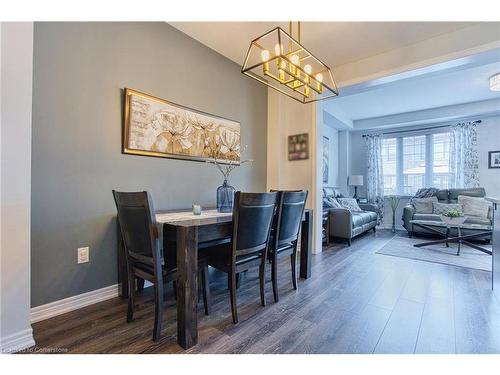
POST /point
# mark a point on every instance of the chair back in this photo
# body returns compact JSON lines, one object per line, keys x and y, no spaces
{"x":252,"y":218}
{"x":290,"y":209}
{"x":138,"y":226}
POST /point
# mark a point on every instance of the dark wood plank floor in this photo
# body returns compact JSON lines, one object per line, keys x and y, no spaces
{"x":356,"y":302}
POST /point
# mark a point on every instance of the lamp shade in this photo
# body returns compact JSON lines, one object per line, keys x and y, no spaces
{"x":356,"y":180}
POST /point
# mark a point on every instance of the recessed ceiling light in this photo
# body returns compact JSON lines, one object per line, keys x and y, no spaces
{"x":495,"y":82}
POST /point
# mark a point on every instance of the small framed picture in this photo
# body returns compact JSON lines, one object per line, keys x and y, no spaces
{"x":298,"y":147}
{"x":494,"y":159}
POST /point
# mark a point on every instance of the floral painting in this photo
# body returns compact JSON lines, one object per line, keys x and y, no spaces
{"x":156,"y":127}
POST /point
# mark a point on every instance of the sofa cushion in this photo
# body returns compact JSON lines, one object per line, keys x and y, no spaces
{"x":473,"y":206}
{"x":350,"y":204}
{"x":477,"y":220}
{"x":424,"y":205}
{"x":431,"y":217}
{"x":470,"y":192}
{"x":442,"y":195}
{"x":361,"y":218}
{"x":444,"y":208}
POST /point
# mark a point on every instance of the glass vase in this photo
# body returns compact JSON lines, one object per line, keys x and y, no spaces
{"x":225,"y":197}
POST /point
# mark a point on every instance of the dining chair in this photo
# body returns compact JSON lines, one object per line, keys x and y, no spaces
{"x":145,"y":260}
{"x":252,"y":220}
{"x":285,"y":233}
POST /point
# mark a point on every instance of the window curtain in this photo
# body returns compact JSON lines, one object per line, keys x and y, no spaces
{"x":375,"y":174}
{"x":464,"y":161}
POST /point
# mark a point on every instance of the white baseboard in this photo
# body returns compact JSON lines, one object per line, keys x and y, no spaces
{"x":17,"y":341}
{"x":73,"y":303}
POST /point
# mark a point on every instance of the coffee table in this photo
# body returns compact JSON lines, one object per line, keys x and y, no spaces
{"x":443,"y":229}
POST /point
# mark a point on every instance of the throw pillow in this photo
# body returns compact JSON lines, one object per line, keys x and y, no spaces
{"x":443,"y":208}
{"x":475,"y":206}
{"x":331,"y":203}
{"x":349,"y":204}
{"x":426,"y":193}
{"x":424,"y":205}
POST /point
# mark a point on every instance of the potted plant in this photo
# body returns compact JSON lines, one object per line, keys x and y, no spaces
{"x":453,"y":216}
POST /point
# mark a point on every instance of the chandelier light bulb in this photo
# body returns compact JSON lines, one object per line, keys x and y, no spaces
{"x":277,"y":49}
{"x":319,"y":77}
{"x":294,"y":59}
{"x":308,"y":69}
{"x":265,"y":55}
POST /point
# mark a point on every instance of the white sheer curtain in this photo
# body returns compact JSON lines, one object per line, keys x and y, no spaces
{"x":464,"y":164}
{"x":375,"y":174}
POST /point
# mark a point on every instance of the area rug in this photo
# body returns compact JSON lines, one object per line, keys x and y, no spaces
{"x":402,"y":246}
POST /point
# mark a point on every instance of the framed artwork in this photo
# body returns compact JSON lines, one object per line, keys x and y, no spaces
{"x":298,"y":147}
{"x":494,"y":159}
{"x":157,"y":127}
{"x":326,"y":158}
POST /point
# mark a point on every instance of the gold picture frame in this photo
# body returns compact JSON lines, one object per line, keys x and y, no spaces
{"x":156,"y":127}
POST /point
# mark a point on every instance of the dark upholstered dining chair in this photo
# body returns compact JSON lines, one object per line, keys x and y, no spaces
{"x":252,"y":220}
{"x":145,"y":260}
{"x":285,"y":233}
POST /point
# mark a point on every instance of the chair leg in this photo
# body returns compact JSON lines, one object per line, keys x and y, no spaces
{"x":232,"y":291}
{"x":174,"y":283}
{"x":205,"y":281}
{"x":158,"y":310}
{"x":274,"y":276}
{"x":131,"y":297}
{"x":262,"y":280}
{"x":349,"y":242}
{"x":293,"y":259}
{"x":140,"y":284}
{"x":374,"y":229}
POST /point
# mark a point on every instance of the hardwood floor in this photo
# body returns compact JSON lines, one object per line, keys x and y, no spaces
{"x":356,"y":302}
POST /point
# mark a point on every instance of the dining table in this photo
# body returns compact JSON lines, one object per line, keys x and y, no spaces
{"x":185,"y":231}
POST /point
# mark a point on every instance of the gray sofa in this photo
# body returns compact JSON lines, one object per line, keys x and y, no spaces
{"x":345,"y":224}
{"x":443,"y":196}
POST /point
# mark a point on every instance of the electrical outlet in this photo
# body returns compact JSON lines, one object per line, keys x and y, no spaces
{"x":83,"y":255}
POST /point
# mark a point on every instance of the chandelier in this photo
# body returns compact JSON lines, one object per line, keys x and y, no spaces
{"x":279,"y":61}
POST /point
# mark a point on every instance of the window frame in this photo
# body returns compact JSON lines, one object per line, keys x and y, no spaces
{"x":429,"y":157}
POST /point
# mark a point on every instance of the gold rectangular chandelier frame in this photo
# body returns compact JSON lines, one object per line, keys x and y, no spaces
{"x":279,"y":61}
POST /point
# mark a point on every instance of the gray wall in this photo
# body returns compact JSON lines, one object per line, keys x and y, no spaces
{"x":79,"y":71}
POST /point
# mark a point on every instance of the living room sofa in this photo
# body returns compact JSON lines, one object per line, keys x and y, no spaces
{"x":447,"y":196}
{"x":345,"y":224}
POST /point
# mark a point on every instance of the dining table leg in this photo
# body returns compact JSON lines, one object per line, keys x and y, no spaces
{"x":187,"y":286}
{"x":306,"y":245}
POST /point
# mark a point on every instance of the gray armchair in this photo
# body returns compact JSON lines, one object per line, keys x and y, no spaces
{"x":345,"y":224}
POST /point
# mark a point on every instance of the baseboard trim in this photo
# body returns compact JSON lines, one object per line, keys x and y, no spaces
{"x":17,"y":341}
{"x":65,"y":305}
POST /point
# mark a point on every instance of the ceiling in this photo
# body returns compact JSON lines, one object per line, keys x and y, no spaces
{"x":414,"y":94}
{"x":335,"y":43}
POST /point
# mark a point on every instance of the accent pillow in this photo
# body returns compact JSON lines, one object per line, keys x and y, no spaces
{"x":349,"y":204}
{"x":443,"y":208}
{"x":331,"y":203}
{"x":475,"y":206}
{"x":424,"y":205}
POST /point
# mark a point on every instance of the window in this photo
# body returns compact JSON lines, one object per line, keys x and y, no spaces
{"x":441,"y":159}
{"x":414,"y":162}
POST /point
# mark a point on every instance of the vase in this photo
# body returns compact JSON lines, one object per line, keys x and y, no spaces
{"x":225,"y":197}
{"x":393,"y":229}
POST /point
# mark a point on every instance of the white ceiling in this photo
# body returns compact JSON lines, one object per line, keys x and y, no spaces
{"x":335,"y":43}
{"x":438,"y":90}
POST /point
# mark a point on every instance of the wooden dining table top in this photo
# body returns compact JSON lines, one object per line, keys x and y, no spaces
{"x":186,"y":218}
